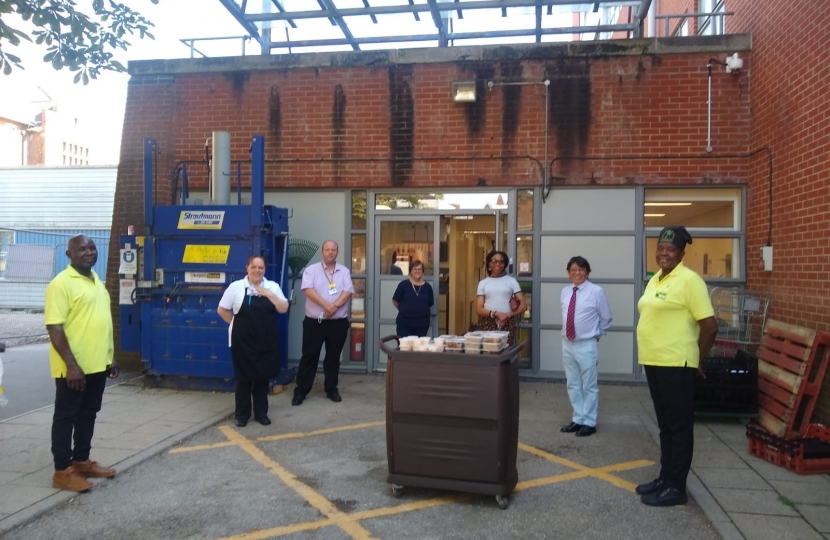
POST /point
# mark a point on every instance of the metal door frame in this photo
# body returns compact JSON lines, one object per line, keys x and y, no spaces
{"x":375,"y":277}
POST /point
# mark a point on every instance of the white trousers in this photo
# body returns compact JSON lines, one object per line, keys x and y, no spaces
{"x":580,"y":359}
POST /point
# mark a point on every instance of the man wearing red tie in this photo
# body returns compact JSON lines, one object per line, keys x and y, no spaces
{"x":587,"y":316}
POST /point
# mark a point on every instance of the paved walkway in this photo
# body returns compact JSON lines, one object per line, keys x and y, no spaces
{"x":338,"y":487}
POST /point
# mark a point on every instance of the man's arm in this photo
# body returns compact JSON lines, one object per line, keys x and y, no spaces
{"x":605,"y":316}
{"x":74,"y":375}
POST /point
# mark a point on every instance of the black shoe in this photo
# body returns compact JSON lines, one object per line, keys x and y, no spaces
{"x":297,"y":400}
{"x":666,"y":497}
{"x":334,"y":395}
{"x":571,"y":428}
{"x":652,"y":487}
{"x":241,"y":422}
{"x":586,"y":431}
{"x":264,"y":420}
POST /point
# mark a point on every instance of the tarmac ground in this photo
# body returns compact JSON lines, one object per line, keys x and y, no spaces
{"x":319,"y":471}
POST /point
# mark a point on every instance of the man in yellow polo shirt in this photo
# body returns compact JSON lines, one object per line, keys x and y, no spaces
{"x":677,"y":328}
{"x":79,"y":323}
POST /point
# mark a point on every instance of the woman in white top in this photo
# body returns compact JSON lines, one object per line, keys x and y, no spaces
{"x":499,"y":297}
{"x":250,"y":307}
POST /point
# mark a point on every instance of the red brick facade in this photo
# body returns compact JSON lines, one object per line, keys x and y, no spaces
{"x":625,"y":98}
{"x":791,"y":114}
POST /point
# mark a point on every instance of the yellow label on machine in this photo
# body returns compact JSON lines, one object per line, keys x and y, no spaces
{"x":206,"y":254}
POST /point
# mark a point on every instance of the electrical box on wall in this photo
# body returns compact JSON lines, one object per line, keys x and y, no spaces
{"x":766,"y":259}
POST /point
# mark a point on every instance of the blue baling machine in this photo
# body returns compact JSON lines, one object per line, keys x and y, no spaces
{"x":172,"y":279}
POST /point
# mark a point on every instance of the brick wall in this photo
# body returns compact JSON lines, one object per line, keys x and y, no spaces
{"x":372,"y":120}
{"x":791,"y":115}
{"x":149,"y":113}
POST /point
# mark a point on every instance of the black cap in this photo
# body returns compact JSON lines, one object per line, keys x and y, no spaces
{"x":678,"y":236}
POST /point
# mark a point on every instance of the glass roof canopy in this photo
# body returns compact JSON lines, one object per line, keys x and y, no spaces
{"x":289,"y":26}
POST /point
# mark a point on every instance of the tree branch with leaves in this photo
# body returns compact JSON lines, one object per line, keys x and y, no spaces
{"x":73,"y":39}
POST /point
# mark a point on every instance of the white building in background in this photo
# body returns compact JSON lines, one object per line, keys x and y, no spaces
{"x":40,"y":131}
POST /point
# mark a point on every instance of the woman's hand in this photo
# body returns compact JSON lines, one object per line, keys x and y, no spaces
{"x":503,"y":317}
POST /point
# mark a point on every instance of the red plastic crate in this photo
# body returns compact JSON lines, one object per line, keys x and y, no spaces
{"x":810,"y":455}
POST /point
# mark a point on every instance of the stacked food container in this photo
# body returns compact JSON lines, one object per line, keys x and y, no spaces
{"x":478,"y":342}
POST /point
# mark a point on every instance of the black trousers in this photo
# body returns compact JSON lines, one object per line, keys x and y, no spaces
{"x":245,"y":390}
{"x":673,"y":393}
{"x":329,"y":332}
{"x":75,"y":414}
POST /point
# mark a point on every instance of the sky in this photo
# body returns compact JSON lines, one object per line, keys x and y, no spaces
{"x":100,"y":104}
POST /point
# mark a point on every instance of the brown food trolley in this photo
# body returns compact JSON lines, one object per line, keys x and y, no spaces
{"x":452,"y":420}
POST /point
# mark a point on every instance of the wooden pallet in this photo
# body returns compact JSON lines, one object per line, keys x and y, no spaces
{"x":792,"y":361}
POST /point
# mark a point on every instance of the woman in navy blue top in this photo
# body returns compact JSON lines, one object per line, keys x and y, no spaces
{"x":413,"y":298}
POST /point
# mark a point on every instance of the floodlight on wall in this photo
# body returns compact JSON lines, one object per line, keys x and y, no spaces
{"x":734,"y":63}
{"x":464,"y":91}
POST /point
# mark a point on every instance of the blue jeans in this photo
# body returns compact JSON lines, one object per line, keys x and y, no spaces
{"x":580,"y":359}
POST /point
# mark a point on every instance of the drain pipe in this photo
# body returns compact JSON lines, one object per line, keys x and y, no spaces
{"x":709,"y":110}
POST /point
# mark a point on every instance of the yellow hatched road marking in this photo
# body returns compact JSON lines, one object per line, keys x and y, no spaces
{"x":349,"y":522}
{"x":323,"y":505}
{"x":598,"y":472}
{"x":282,"y":437}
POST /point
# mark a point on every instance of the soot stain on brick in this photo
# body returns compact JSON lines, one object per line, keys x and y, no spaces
{"x":477,"y":111}
{"x":274,"y":112}
{"x":402,"y":124}
{"x":238,"y":80}
{"x":570,"y":105}
{"x":511,"y":72}
{"x":338,"y":122}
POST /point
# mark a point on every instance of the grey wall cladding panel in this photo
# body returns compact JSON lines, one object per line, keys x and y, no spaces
{"x":610,"y":257}
{"x":317,"y":216}
{"x":590,"y":209}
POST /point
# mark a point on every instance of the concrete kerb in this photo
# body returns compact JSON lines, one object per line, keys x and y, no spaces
{"x":28,"y":514}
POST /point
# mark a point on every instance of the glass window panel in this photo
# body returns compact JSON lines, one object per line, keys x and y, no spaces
{"x":527,"y":292}
{"x":359,"y":210}
{"x":524,"y":210}
{"x":708,"y":207}
{"x":402,"y":242}
{"x":524,"y":255}
{"x":358,"y":254}
{"x":358,"y":299}
{"x":358,"y":340}
{"x":712,"y":258}
{"x":525,"y":358}
{"x":440,"y":201}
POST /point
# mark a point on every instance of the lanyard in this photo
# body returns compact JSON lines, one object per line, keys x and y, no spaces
{"x":326,"y":272}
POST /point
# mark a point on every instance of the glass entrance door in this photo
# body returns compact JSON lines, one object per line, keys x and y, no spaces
{"x":400,"y":241}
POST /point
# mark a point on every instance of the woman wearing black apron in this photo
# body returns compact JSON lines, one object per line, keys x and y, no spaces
{"x":250,"y":306}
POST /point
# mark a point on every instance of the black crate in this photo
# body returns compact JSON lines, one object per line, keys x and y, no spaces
{"x":730,"y":387}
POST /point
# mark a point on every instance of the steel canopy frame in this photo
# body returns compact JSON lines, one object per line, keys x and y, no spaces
{"x":444,"y":36}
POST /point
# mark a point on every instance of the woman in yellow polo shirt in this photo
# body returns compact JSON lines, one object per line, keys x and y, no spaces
{"x":677,"y":328}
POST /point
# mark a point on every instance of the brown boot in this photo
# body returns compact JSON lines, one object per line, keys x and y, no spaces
{"x":91,"y":469}
{"x":69,"y":480}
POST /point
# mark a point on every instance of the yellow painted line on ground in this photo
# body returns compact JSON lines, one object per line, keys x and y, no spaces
{"x":327,"y":431}
{"x":183,"y":449}
{"x":600,"y":472}
{"x":284,"y":436}
{"x":345,"y":522}
{"x":281,"y":531}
